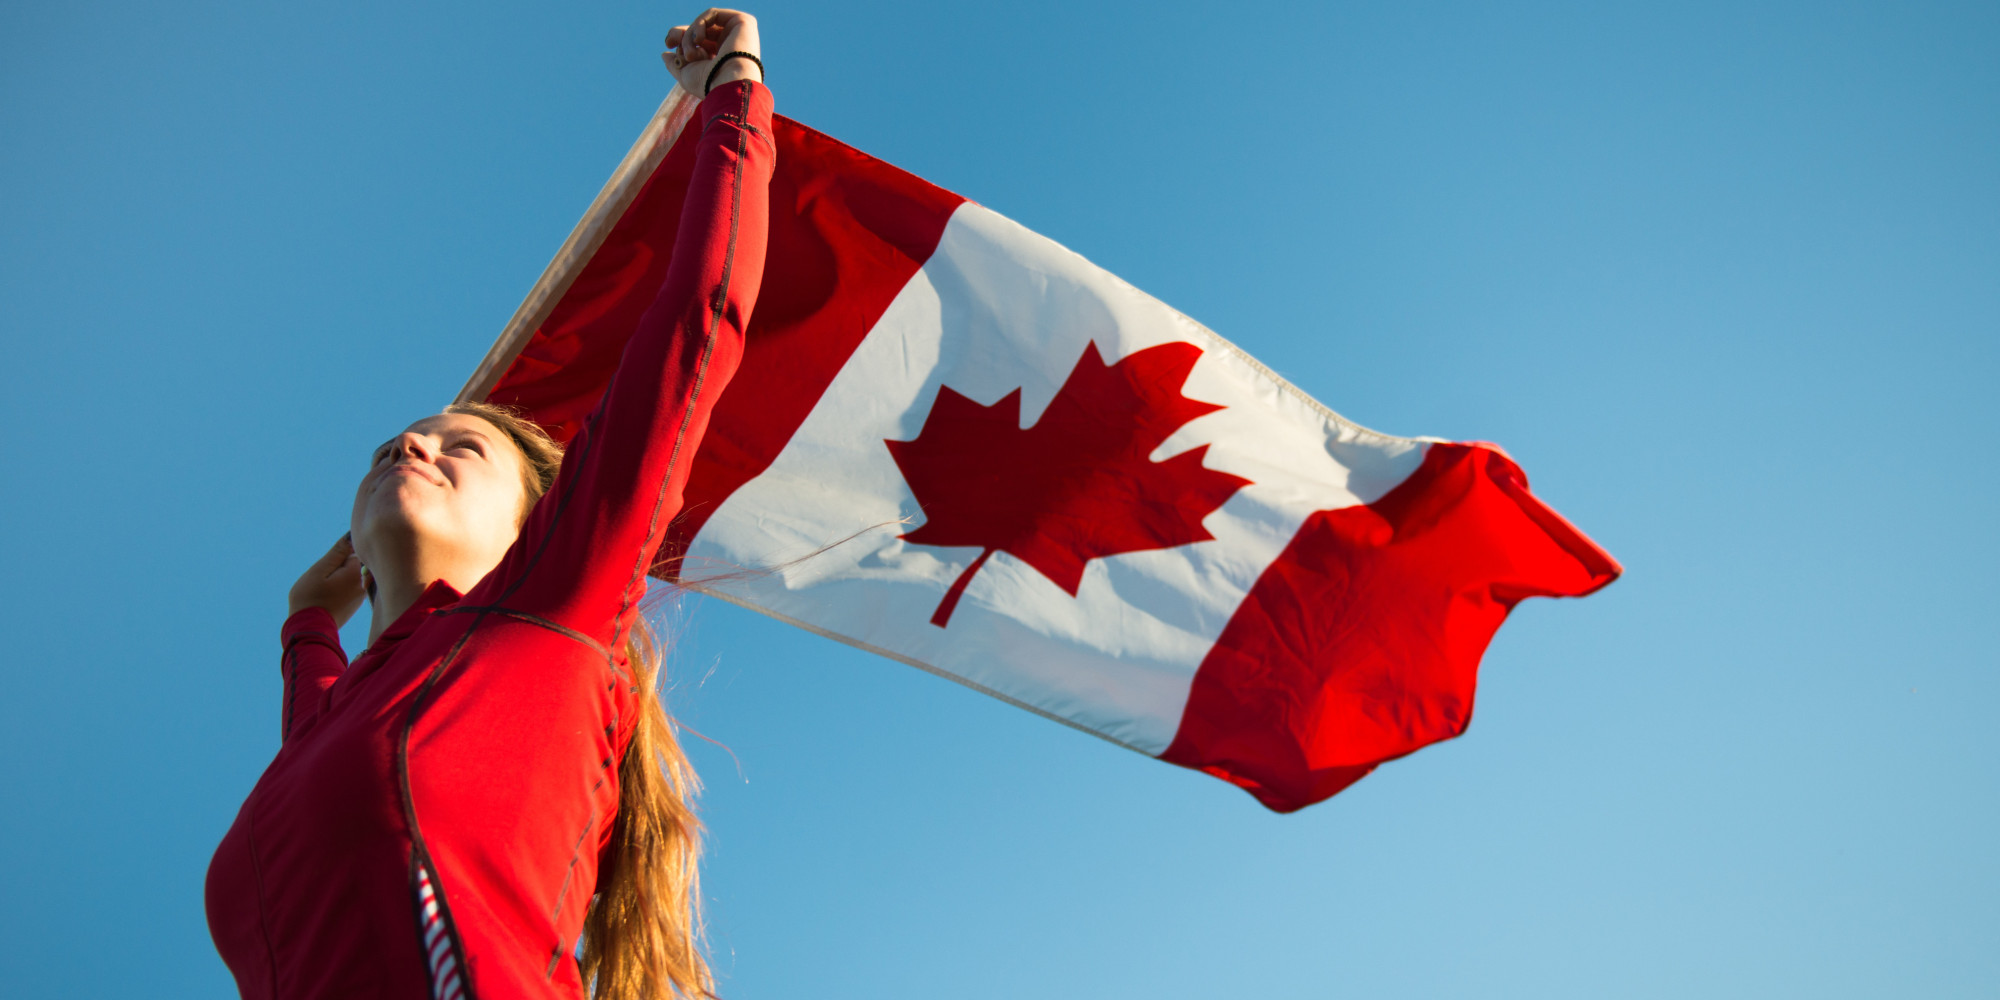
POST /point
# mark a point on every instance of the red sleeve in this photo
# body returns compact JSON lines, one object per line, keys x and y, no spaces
{"x":582,"y":558}
{"x":313,"y":661}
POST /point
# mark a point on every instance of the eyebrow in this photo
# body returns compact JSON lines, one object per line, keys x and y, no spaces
{"x":490,"y":446}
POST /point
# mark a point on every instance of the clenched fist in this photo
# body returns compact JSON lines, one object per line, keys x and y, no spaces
{"x":692,"y":49}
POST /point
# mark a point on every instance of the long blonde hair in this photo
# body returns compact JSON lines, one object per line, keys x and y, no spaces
{"x":643,"y":934}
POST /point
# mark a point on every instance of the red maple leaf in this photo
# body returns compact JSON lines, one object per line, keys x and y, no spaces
{"x":1076,"y":486}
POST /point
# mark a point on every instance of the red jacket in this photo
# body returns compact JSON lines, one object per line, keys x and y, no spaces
{"x":480,"y":736}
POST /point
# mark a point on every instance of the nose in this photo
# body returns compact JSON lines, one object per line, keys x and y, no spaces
{"x":411,"y":446}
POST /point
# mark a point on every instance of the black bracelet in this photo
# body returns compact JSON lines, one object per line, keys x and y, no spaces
{"x":709,"y":84}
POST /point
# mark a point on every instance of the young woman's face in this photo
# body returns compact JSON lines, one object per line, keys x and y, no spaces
{"x":452,"y":481}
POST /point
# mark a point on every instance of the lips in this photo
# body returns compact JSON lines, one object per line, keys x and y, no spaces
{"x":415,"y":470}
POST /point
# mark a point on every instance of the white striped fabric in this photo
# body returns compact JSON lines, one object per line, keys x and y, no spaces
{"x":443,"y":963}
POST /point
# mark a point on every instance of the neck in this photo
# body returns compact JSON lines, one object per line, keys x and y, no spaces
{"x":390,"y":601}
{"x":401,"y":581}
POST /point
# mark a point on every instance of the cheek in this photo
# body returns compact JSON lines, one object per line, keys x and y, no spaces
{"x":502,"y":504}
{"x":364,"y":498}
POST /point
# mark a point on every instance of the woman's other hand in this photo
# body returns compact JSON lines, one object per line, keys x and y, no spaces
{"x":333,"y":583}
{"x":692,"y":48}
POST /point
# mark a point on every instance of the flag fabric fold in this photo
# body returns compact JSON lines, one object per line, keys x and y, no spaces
{"x":956,"y":443}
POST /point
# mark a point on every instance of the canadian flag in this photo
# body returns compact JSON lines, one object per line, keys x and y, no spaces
{"x":957,"y":444}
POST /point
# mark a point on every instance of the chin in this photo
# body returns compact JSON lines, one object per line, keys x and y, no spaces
{"x":394,"y":513}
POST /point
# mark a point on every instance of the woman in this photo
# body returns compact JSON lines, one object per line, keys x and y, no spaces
{"x":482,"y":788}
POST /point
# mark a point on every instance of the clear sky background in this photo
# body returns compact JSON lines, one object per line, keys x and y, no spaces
{"x":1724,"y":277}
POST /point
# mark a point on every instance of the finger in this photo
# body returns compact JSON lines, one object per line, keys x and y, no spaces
{"x":341,"y":550}
{"x":692,"y":44}
{"x":345,"y":573}
{"x":674,"y":35}
{"x":713,"y":30}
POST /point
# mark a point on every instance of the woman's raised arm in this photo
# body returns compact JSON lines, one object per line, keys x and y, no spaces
{"x":582,"y":557}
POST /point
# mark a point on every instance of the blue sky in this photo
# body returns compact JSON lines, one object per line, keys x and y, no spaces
{"x":1725,"y":278}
